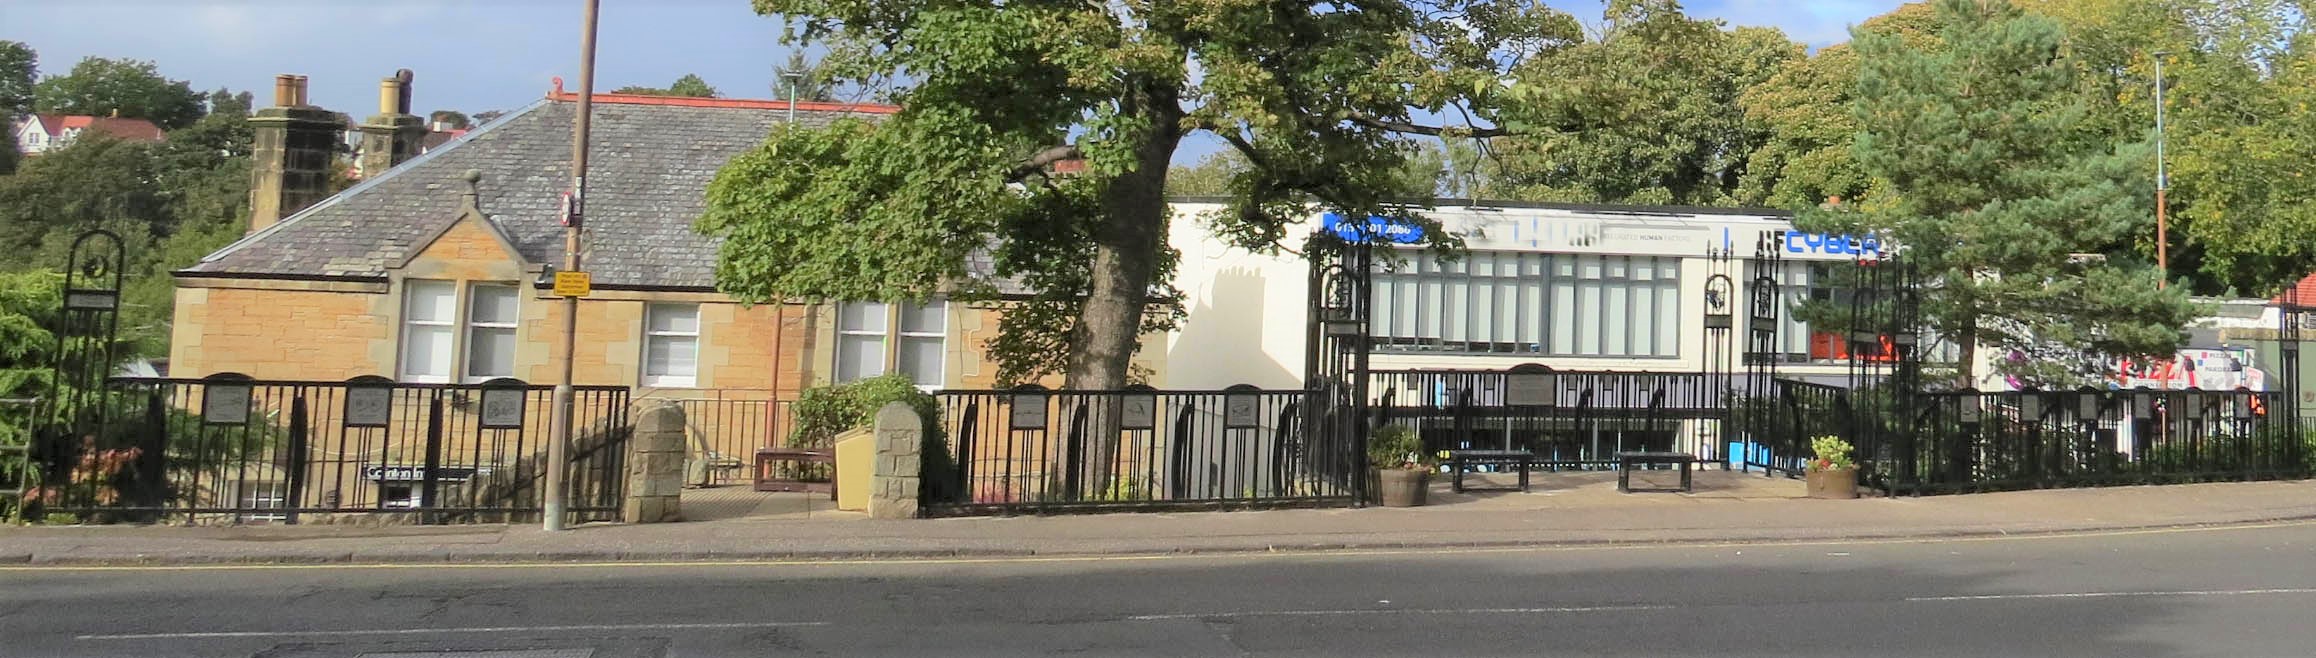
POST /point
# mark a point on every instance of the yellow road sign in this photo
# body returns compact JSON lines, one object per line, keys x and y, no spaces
{"x":572,"y":284}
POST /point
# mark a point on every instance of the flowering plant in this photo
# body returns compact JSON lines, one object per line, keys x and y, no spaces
{"x":98,"y":472}
{"x":1395,"y":446}
{"x":1833,"y":454}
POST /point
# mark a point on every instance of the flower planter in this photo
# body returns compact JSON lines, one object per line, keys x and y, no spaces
{"x":1399,"y":487}
{"x":1839,"y":484}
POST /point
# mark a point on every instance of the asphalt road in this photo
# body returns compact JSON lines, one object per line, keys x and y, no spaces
{"x":2224,"y":592}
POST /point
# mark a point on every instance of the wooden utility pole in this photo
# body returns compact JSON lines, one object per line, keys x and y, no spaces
{"x":559,"y":444}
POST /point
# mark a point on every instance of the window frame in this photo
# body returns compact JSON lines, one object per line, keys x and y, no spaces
{"x":890,"y":340}
{"x":468,"y":327}
{"x":644,"y":375}
{"x":450,"y":329}
{"x":1526,"y":304}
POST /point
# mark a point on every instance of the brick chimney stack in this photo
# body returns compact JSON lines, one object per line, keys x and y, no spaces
{"x":394,"y":135}
{"x":293,"y":147}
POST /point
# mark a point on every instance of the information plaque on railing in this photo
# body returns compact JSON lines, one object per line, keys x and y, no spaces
{"x":502,"y":408}
{"x":1028,"y":411}
{"x":1529,"y":385}
{"x":225,"y":404}
{"x":369,"y":406}
{"x":1141,"y":412}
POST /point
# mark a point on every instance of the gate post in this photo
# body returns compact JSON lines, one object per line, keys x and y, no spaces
{"x":430,"y":486}
{"x":655,"y":466}
{"x":900,"y":462}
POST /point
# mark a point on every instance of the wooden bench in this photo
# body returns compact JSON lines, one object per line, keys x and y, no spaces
{"x":766,"y":458}
{"x":1460,"y":461}
{"x":1625,"y":461}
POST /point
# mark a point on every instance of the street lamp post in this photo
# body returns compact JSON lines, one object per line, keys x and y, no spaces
{"x":559,"y":441}
{"x":2162,"y":184}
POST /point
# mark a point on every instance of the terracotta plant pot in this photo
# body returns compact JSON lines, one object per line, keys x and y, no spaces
{"x":1402,"y":487}
{"x":1838,"y":484}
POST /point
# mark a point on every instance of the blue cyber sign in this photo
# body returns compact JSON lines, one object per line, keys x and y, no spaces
{"x":1839,"y":245}
{"x":1390,"y":230}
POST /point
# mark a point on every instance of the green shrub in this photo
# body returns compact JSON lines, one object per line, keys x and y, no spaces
{"x":823,"y":412}
{"x":1396,"y":446}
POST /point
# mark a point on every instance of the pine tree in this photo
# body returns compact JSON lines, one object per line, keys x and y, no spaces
{"x":2018,"y":212}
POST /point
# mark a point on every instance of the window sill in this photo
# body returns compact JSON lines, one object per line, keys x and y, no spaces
{"x":670,"y":382}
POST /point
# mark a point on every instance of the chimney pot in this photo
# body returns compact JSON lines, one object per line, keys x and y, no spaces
{"x":389,"y":95}
{"x":285,"y":90}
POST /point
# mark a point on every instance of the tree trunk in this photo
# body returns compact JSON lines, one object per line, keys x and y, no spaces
{"x":1109,"y":323}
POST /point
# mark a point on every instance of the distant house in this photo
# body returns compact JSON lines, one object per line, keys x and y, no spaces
{"x":41,"y":133}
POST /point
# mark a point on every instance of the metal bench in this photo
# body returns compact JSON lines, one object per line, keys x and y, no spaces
{"x":1625,"y":461}
{"x":1461,"y":461}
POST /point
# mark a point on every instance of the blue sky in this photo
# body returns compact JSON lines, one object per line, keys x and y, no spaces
{"x":476,"y":55}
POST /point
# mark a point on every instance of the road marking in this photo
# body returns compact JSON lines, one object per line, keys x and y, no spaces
{"x":1211,"y":555}
{"x":2104,"y":595}
{"x":433,"y":631}
{"x":1390,"y":611}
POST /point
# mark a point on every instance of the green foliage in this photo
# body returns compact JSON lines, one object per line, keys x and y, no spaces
{"x":19,"y":72}
{"x":1646,"y":113}
{"x":690,"y":86}
{"x":1831,"y":454}
{"x":1397,"y":446}
{"x":171,"y":202}
{"x":100,"y":87}
{"x":1995,"y":181}
{"x":1313,"y":96}
{"x":823,"y":412}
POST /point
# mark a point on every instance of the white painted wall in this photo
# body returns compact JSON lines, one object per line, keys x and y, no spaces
{"x":1247,"y":312}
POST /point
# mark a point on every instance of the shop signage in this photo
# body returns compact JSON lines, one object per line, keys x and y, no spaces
{"x":1833,"y":245}
{"x":1390,"y":230}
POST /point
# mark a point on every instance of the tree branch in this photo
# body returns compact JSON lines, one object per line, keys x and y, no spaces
{"x":1039,"y":161}
{"x":1435,"y":131}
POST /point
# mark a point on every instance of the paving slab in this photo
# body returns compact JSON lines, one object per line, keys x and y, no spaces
{"x":1566,"y":509}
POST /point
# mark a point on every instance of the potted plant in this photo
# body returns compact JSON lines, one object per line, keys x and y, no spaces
{"x":1831,"y":473}
{"x":1402,"y":470}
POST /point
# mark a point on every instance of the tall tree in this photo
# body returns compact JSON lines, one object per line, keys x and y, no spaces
{"x":133,"y":88}
{"x":1313,"y":95}
{"x":19,"y":70}
{"x":1647,"y":113}
{"x":1804,"y":158}
{"x":1998,"y":184}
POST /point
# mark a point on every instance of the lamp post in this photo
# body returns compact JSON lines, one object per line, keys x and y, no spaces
{"x":559,"y":429}
{"x":793,"y":77}
{"x":2162,"y":184}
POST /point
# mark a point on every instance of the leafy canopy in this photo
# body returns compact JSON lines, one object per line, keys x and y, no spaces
{"x":134,"y":88}
{"x":1646,"y":113}
{"x":2003,"y":192}
{"x":1314,"y":97}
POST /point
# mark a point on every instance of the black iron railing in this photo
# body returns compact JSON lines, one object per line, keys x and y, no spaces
{"x":239,"y":450}
{"x":1057,"y":450}
{"x":724,"y":428}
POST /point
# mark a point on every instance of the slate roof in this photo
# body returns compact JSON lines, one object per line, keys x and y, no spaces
{"x":649,"y":163}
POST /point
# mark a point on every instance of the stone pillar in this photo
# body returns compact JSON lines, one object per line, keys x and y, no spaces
{"x":655,"y":465}
{"x":900,"y":442}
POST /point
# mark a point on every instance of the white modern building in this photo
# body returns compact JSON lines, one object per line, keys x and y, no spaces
{"x":1571,"y":287}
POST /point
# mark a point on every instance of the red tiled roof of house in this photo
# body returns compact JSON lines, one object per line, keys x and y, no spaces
{"x":128,"y":129}
{"x":729,"y":103}
{"x":2302,"y":293}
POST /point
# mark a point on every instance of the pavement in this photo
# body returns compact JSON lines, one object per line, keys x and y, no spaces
{"x":1561,"y":510}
